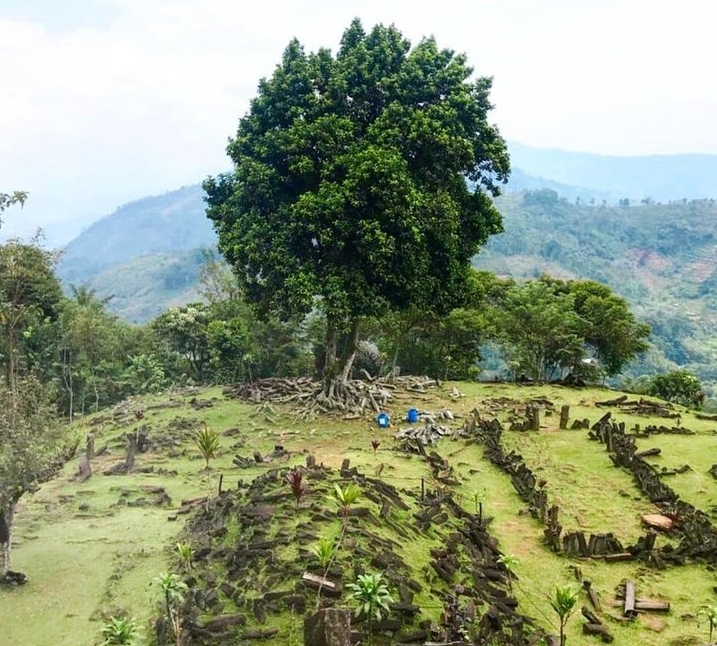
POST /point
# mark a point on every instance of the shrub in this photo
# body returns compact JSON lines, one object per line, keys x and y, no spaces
{"x":679,"y":386}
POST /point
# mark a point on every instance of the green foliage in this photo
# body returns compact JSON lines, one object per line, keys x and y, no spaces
{"x":172,"y":591}
{"x":29,"y":306}
{"x":119,"y":630}
{"x":185,"y":554}
{"x":371,"y":595}
{"x":8,"y":199}
{"x":539,"y":331}
{"x":324,"y":551}
{"x":367,"y":151}
{"x":346,"y":497}
{"x":32,"y":445}
{"x":563,"y":604}
{"x":547,"y":327}
{"x":509,"y":562}
{"x":679,"y":386}
{"x":710,"y":614}
{"x":144,"y":374}
{"x":207,"y":441}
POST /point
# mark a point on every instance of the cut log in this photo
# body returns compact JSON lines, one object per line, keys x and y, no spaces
{"x":652,"y":605}
{"x":598,"y":629}
{"x":648,"y":452}
{"x":620,"y":556}
{"x":592,"y":595}
{"x":590,"y":615}
{"x":628,"y":609}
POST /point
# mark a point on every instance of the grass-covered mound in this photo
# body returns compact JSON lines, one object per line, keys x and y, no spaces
{"x":92,"y":549}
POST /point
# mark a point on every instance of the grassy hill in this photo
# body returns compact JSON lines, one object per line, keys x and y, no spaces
{"x":92,"y":549}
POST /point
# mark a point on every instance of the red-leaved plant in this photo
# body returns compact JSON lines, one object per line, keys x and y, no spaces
{"x":299,"y":488}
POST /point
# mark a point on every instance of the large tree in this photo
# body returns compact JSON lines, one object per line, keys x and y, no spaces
{"x":362,"y":183}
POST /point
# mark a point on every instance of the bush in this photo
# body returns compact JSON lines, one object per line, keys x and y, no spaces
{"x":679,"y":386}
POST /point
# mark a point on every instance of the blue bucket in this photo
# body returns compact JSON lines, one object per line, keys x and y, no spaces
{"x":412,"y":416}
{"x":383,"y":420}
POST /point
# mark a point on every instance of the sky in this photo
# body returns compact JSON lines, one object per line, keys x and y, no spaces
{"x":106,"y":101}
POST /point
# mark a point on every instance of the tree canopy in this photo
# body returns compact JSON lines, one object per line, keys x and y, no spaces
{"x":361,"y":183}
{"x":549,"y":326}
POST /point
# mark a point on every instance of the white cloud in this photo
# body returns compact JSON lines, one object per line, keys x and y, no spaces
{"x":106,"y":102}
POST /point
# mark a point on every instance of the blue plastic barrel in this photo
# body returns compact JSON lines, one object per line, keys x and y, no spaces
{"x":412,"y":416}
{"x":383,"y":420}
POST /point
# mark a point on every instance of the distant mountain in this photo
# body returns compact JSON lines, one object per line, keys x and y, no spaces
{"x":144,"y":287}
{"x":522,"y":181}
{"x":659,"y":177}
{"x":160,"y":224}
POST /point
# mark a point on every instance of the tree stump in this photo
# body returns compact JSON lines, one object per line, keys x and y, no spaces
{"x":564,"y":416}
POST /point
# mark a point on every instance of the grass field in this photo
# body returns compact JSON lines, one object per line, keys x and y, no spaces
{"x":92,"y":549}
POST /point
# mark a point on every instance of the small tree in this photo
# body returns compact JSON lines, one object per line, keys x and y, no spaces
{"x":32,"y":444}
{"x":563,"y":603}
{"x":372,"y":596}
{"x":679,"y":386}
{"x":710,"y":613}
{"x":173,"y":593}
{"x":207,"y":441}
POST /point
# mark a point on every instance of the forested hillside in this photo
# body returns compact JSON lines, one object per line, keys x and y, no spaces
{"x":158,"y":224}
{"x":661,"y":257}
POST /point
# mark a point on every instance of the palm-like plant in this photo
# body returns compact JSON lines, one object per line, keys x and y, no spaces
{"x":207,"y":441}
{"x":324,"y":551}
{"x":346,"y":497}
{"x":563,"y":603}
{"x":119,"y":631}
{"x":710,"y":613}
{"x":372,"y":596}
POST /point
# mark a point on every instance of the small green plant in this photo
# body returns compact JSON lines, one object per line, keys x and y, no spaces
{"x":372,"y":596}
{"x":710,"y":613}
{"x":324,"y":551}
{"x":207,"y":441}
{"x":346,"y":497}
{"x":119,"y":630}
{"x":173,"y":593}
{"x":185,"y":554}
{"x":563,"y":603}
{"x":509,"y":562}
{"x":298,"y":485}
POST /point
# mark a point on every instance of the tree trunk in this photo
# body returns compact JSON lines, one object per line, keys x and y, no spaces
{"x":349,"y":355}
{"x":330,"y":352}
{"x":6,"y":517}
